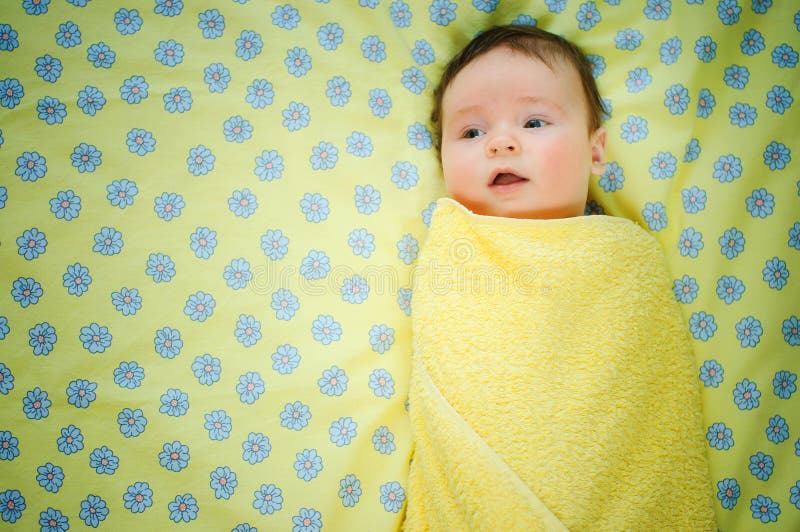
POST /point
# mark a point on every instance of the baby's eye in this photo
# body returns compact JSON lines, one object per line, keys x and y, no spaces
{"x":534,"y":122}
{"x":472,"y":133}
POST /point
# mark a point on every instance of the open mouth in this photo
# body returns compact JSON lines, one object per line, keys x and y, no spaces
{"x":506,"y":179}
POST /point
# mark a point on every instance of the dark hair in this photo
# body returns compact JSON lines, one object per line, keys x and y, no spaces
{"x":531,"y":41}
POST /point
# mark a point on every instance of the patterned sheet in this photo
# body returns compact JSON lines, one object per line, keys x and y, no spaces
{"x":210,"y":213}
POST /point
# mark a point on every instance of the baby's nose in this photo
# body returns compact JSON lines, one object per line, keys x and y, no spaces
{"x":502,"y":145}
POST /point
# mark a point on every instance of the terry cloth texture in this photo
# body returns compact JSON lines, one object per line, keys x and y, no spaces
{"x":552,"y":383}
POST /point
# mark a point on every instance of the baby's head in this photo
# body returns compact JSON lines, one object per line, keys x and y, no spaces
{"x":518,"y":125}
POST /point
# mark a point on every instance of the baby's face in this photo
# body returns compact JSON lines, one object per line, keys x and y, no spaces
{"x":515,"y":139}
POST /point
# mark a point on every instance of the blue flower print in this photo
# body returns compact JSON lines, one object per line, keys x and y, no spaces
{"x":207,"y":369}
{"x":778,"y":100}
{"x":95,"y":338}
{"x":134,"y":90}
{"x":761,"y":6}
{"x":784,"y":56}
{"x":160,"y":267}
{"x":174,"y":456}
{"x":634,"y":129}
{"x":794,"y":236}
{"x":359,"y":144}
{"x":52,"y":520}
{"x":419,"y":136}
{"x":50,"y":477}
{"x":379,"y":102}
{"x":169,"y":53}
{"x":242,"y":203}
{"x":690,"y":242}
{"x":314,"y":207}
{"x":729,"y":289}
{"x":407,"y":248}
{"x":296,"y":116}
{"x":676,"y":99}
{"x":237,"y":274}
{"x":48,"y":68}
{"x":760,"y":203}
{"x":775,"y":273}
{"x":9,"y":446}
{"x":373,"y":48}
{"x":720,"y":437}
{"x":333,"y":382}
{"x":361,"y":242}
{"x":217,"y":77}
{"x":367,"y":199}
{"x":128,"y":375}
{"x":66,"y":205}
{"x":8,"y":38}
{"x":168,"y":8}
{"x":749,"y":331}
{"x":381,"y":338}
{"x":101,"y":56}
{"x":297,"y":61}
{"x":140,"y":142}
{"x":6,"y":379}
{"x":42,"y":338}
{"x":764,"y":509}
{"x":777,"y":430}
{"x":587,"y":16}
{"x":670,"y":50}
{"x":138,"y":497}
{"x":414,"y":80}
{"x":746,"y":395}
{"x":705,"y":103}
{"x":178,"y":100}
{"x":121,"y":193}
{"x":93,"y":510}
{"x":3,"y":190}
{"x":200,"y":160}
{"x":308,"y":464}
{"x":324,"y":156}
{"x":702,"y":326}
{"x":338,"y":91}
{"x":250,"y":387}
{"x":628,"y":39}
{"x":736,"y":76}
{"x":742,"y":115}
{"x":268,"y":499}
{"x":71,"y":440}
{"x":728,"y":492}
{"x":342,"y":431}
{"x":168,"y":342}
{"x":286,"y":17}
{"x":26,"y":291}
{"x":711,"y":373}
{"x":355,"y":289}
{"x":392,"y":496}
{"x":11,"y":92}
{"x":752,"y":42}
{"x":174,"y":403}
{"x":731,"y":243}
{"x":211,"y":24}
{"x":285,"y":359}
{"x":794,"y":495}
{"x":218,"y":424}
{"x":442,"y":12}
{"x":248,"y":45}
{"x":237,"y":129}
{"x":202,"y":242}
{"x":256,"y":448}
{"x":223,"y":482}
{"x":183,"y":508}
{"x":295,"y":416}
{"x":248,"y":330}
{"x":12,"y":504}
{"x":638,"y":80}
{"x":777,"y":156}
{"x":381,"y":383}
{"x":705,"y":48}
{"x":761,"y":466}
{"x":4,"y":328}
{"x":90,"y":100}
{"x":86,"y":157}
{"x":31,"y":243}
{"x":663,"y":165}
{"x":168,"y":206}
{"x":349,"y":491}
{"x":729,"y":11}
{"x":330,"y":36}
{"x":199,"y":306}
{"x":383,"y":440}
{"x":131,"y":422}
{"x":260,"y":93}
{"x":423,"y":53}
{"x":31,"y":166}
{"x":51,"y":110}
{"x":597,"y":64}
{"x":275,"y":244}
{"x":404,"y":175}
{"x":127,"y":21}
{"x":694,"y":199}
{"x":307,"y":520}
{"x":783,"y":385}
{"x":285,"y":304}
{"x":400,"y":13}
{"x":269,"y":165}
{"x":325,"y":329}
{"x":685,"y":289}
{"x":658,"y":9}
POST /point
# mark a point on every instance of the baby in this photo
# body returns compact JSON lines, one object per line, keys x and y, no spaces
{"x":574,"y":407}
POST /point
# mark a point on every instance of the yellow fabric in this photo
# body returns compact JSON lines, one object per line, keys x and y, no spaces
{"x":530,"y":414}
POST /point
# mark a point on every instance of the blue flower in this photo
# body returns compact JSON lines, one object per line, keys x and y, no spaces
{"x":308,"y":464}
{"x":160,"y":267}
{"x":127,"y":21}
{"x":373,"y":48}
{"x":77,"y":279}
{"x":268,"y":499}
{"x":223,"y":482}
{"x":690,"y":242}
{"x":705,"y":48}
{"x":174,"y":456}
{"x":702,"y":326}
{"x":260,"y":93}
{"x":174,"y":403}
{"x":168,"y":206}
{"x":736,"y":76}
{"x":705,"y":103}
{"x":12,"y":503}
{"x":66,"y":205}
{"x":138,"y":497}
{"x":242,"y":203}
{"x":794,"y":495}
{"x":442,"y":12}
{"x":285,"y":359}
{"x":256,"y":448}
{"x":101,"y":56}
{"x":48,"y":476}
{"x":4,"y":329}
{"x":324,"y":156}
{"x":658,"y":9}
{"x":587,"y":16}
{"x":200,"y":160}
{"x":168,"y":8}
{"x":248,"y":330}
{"x":746,"y":395}
{"x":381,"y":338}
{"x":86,"y":157}
{"x":676,"y":99}
{"x":379,"y":102}
{"x":296,"y":116}
{"x":685,"y":289}
{"x":52,"y":520}
{"x":628,"y":39}
{"x":68,"y":35}
{"x":720,"y":437}
{"x":31,"y":166}
{"x":362,"y":242}
{"x":359,"y":144}
{"x":383,"y":440}
{"x":169,"y":53}
{"x":9,"y":41}
{"x":134,"y":90}
{"x":237,"y":129}
{"x":237,"y":274}
{"x":178,"y":100}
{"x":711,"y":373}
{"x":663,"y":165}
{"x":121,"y":193}
{"x":108,"y":241}
{"x":207,"y":369}
{"x":783,"y":385}
{"x":95,"y":338}
{"x":407,"y":248}
{"x":749,"y":331}
{"x":295,"y":416}
{"x":314,"y":207}
{"x":638,"y":79}
{"x":778,"y":100}
{"x":330,"y":35}
{"x":338,"y":91}
{"x":285,"y":17}
{"x":349,"y":491}
{"x":128,"y":375}
{"x":597,"y":64}
{"x":760,"y":203}
{"x":729,"y":289}
{"x":211,"y":23}
{"x":202,"y":242}
{"x":355,"y":289}
{"x":423,"y":53}
{"x":381,"y":383}
{"x":218,"y":424}
{"x":274,"y":244}
{"x":728,"y":11}
{"x":217,"y":77}
{"x":765,"y":509}
{"x":248,"y":45}
{"x":6,"y":377}
{"x":26,"y":291}
{"x":731,"y":243}
{"x":761,"y":466}
{"x":9,"y":446}
{"x":250,"y":387}
{"x":48,"y":68}
{"x":90,"y":100}
{"x":752,"y":42}
{"x":414,"y":80}
{"x":199,"y":306}
{"x":775,"y":273}
{"x":404,"y":175}
{"x":51,"y":110}
{"x":670,"y":50}
{"x":42,"y":338}
{"x":71,"y":440}
{"x":777,"y":430}
{"x":400,"y":13}
{"x":93,"y":510}
{"x":297,"y":61}
{"x":325,"y":329}
{"x":777,"y":156}
{"x":285,"y":304}
{"x":694,"y":199}
{"x":742,"y":115}
{"x":794,"y":236}
{"x":168,"y":342}
{"x":728,"y":492}
{"x":31,"y":243}
{"x":3,"y":190}
{"x":333,"y":382}
{"x":11,"y":92}
{"x":367,"y":199}
{"x":419,"y":136}
{"x":784,"y":56}
{"x":634,"y":129}
{"x":140,"y":142}
{"x":392,"y":496}
{"x":103,"y":461}
{"x":761,"y":6}
{"x":342,"y":431}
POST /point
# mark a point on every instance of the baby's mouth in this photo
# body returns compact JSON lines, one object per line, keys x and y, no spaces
{"x":504,"y":179}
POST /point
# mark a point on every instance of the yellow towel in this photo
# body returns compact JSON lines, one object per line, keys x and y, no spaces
{"x":553,"y":382}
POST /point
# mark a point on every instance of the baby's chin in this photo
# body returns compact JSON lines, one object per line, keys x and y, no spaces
{"x":527,"y":212}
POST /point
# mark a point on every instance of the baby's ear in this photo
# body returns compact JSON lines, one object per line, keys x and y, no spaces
{"x":598,"y":142}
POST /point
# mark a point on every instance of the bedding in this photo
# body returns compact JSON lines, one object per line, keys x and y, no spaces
{"x":210,"y":213}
